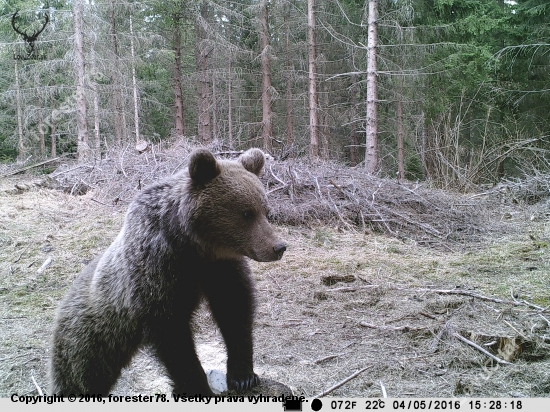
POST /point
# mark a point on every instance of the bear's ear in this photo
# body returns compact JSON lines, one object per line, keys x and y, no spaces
{"x":253,"y":160}
{"x":203,"y":166}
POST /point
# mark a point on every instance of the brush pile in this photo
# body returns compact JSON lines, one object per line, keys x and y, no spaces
{"x":301,"y":193}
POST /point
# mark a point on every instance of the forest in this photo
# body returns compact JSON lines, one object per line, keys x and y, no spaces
{"x":451,"y":91}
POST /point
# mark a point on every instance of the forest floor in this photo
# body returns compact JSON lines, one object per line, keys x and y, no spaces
{"x":340,"y":300}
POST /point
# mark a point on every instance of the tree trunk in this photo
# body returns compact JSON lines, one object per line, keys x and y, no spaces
{"x":354,"y":139}
{"x":423,"y":145}
{"x":288,"y":94}
{"x":134,"y":84}
{"x":230,"y":104}
{"x":117,"y":100}
{"x":312,"y":80}
{"x":400,"y":141}
{"x":267,"y":125}
{"x":325,"y":129}
{"x":93,"y":87}
{"x":53,"y":131}
{"x":215,"y":133}
{"x":371,"y":155}
{"x":203,"y":86}
{"x":53,"y":127}
{"x":41,"y":133}
{"x":178,"y":98}
{"x":83,"y":149}
{"x":20,"y":143}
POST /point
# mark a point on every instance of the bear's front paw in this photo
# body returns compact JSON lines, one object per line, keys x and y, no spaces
{"x":240,"y":384}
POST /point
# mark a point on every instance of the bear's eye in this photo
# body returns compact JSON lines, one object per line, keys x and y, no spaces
{"x":249,"y":214}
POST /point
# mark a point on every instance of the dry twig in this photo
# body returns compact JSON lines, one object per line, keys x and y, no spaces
{"x":405,"y":328}
{"x":479,"y":348}
{"x":351,"y":288}
{"x":326,"y":358}
{"x":44,"y":266}
{"x":36,"y":386}
{"x":383,"y":388}
{"x":30,"y":167}
{"x":341,"y":383}
{"x":517,"y":331}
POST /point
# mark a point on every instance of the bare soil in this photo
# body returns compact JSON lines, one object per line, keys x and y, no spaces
{"x":343,"y":298}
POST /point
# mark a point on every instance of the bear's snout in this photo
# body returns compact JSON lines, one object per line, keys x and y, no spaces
{"x":279,"y":249}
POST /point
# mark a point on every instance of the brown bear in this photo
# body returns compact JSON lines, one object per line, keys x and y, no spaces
{"x":184,"y":238}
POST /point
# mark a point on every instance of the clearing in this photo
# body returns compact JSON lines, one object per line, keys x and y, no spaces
{"x":342,"y":298}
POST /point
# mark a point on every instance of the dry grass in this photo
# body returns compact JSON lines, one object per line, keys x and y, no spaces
{"x":308,"y":334}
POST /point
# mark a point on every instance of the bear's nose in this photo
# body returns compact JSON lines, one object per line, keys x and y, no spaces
{"x":279,"y":249}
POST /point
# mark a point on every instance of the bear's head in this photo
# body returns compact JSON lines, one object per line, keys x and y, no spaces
{"x":228,"y":211}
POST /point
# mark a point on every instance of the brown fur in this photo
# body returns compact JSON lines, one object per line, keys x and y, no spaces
{"x":183,"y":238}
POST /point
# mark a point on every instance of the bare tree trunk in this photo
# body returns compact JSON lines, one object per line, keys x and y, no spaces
{"x":53,"y":128}
{"x":20,"y":143}
{"x":288,"y":94}
{"x":354,"y":139}
{"x":215,"y":132}
{"x":117,"y":80}
{"x":230,"y":103}
{"x":325,"y":129}
{"x":400,"y":141}
{"x":371,"y":155}
{"x":423,"y":145}
{"x":312,"y":80}
{"x":41,"y":133}
{"x":203,"y":85}
{"x":178,"y":98}
{"x":83,"y":149}
{"x":93,"y":87}
{"x":267,"y":125}
{"x":134,"y":84}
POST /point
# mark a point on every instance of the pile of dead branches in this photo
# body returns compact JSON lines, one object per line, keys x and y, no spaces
{"x":530,"y":189}
{"x":300,"y":193}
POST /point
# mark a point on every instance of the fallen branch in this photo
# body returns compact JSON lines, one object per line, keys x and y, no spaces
{"x":274,"y":190}
{"x":479,"y":348}
{"x":36,"y":386}
{"x":349,"y":378}
{"x":467,"y":293}
{"x":351,"y":288}
{"x":30,"y":167}
{"x":44,"y":266}
{"x":405,"y":328}
{"x":547,"y":321}
{"x":70,"y":170}
{"x":532,"y":305}
{"x":383,"y":388}
{"x":326,"y":358}
{"x":517,"y":331}
{"x":487,"y":298}
{"x":276,"y":178}
{"x":19,"y":258}
{"x":97,"y":201}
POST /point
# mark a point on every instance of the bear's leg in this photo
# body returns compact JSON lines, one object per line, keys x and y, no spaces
{"x":173,"y":345}
{"x":88,"y":359}
{"x":229,"y":291}
{"x":93,"y":340}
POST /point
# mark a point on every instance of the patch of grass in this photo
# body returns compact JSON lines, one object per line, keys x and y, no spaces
{"x":517,"y":265}
{"x":299,"y":320}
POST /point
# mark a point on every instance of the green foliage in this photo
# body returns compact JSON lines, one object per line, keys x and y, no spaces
{"x":413,"y":168}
